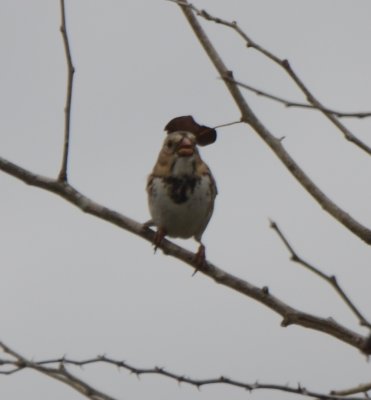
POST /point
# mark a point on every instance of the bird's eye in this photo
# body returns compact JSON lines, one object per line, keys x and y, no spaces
{"x":169,"y":144}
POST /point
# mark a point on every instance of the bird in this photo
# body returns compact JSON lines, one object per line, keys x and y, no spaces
{"x":181,"y":188}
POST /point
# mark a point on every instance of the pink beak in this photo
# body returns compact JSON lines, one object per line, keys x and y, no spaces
{"x":185,"y":148}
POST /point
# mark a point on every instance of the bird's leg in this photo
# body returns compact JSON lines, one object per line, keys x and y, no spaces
{"x":199,"y":258}
{"x":159,"y":235}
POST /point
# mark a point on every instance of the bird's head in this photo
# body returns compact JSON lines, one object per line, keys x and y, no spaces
{"x":180,"y":144}
{"x":179,"y":155}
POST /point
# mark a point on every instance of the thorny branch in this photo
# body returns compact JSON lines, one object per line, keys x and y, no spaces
{"x":248,"y":116}
{"x":283,"y":63}
{"x":330,"y":279}
{"x":58,"y":372}
{"x":67,"y":110}
{"x":60,"y":365}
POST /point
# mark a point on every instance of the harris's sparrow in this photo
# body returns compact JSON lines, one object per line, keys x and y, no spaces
{"x":181,"y":189}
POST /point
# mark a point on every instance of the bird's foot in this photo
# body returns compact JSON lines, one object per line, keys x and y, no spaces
{"x":199,"y":259}
{"x":159,"y":235}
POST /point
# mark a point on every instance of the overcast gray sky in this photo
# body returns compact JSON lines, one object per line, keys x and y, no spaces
{"x":72,"y":284}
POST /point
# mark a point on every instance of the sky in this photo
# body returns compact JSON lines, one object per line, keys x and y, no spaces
{"x":74,"y":285}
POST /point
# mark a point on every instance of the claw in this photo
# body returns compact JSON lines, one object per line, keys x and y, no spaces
{"x":199,"y":259}
{"x":159,"y":235}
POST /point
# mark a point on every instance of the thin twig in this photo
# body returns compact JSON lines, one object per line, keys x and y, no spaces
{"x":291,"y":316}
{"x":284,"y":63}
{"x":67,"y":110}
{"x":294,"y":104}
{"x":228,"y":124}
{"x":330,"y":279}
{"x":348,"y":135}
{"x":59,"y":373}
{"x":300,"y":390}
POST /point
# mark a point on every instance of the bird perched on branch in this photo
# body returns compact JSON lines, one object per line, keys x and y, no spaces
{"x":181,"y":189}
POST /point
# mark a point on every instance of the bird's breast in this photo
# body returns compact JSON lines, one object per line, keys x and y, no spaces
{"x":181,"y":189}
{"x":181,"y":205}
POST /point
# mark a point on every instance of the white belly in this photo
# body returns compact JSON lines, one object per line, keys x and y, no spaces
{"x":185,"y":219}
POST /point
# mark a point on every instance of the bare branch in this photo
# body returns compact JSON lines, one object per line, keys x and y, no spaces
{"x":274,"y":143}
{"x":262,"y":295}
{"x":300,"y":390}
{"x":294,"y":104}
{"x":67,"y":110}
{"x":312,"y":100}
{"x":282,"y":63}
{"x":59,"y":373}
{"x":330,"y":279}
{"x":363,"y":388}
